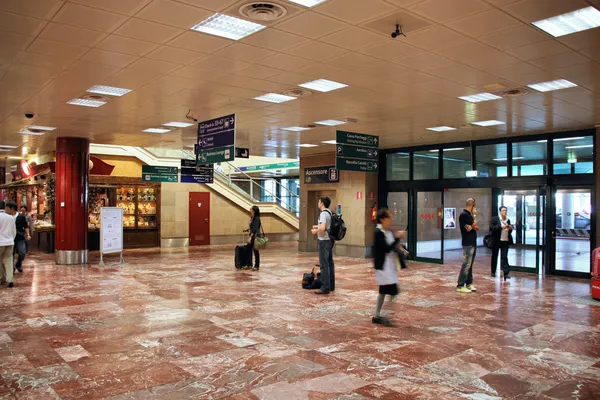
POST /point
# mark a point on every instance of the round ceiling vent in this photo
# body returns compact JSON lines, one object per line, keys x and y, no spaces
{"x":263,"y":11}
{"x":297,"y":92}
{"x":95,"y":97}
{"x":514,"y":93}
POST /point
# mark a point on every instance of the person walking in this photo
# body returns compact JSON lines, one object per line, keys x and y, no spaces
{"x":501,"y":231}
{"x":325,"y":246}
{"x":8,"y":232}
{"x":22,"y":234}
{"x":29,"y":218}
{"x":386,"y":276}
{"x":255,"y":231}
{"x":468,"y":230}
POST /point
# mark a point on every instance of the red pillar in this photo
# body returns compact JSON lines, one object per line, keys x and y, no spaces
{"x":71,"y":213}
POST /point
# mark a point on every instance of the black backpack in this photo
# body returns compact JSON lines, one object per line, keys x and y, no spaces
{"x":337,"y":230}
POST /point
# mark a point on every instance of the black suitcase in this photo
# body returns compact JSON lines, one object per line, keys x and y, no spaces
{"x":241,"y":260}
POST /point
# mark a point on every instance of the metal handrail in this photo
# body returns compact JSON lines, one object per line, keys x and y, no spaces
{"x":249,"y":177}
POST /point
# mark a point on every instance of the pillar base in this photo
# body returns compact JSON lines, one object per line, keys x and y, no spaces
{"x":71,"y":257}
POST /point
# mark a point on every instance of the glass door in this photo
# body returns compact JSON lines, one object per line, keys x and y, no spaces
{"x":429,"y":233}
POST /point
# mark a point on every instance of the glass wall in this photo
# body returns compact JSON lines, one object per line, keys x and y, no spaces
{"x":426,"y":164}
{"x":492,"y":160}
{"x":289,"y":187}
{"x":457,"y":161}
{"x":398,"y":167}
{"x":573,"y":155}
{"x":529,"y":158}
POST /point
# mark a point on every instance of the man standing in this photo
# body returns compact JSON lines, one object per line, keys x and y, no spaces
{"x":29,"y":218}
{"x":501,"y":231}
{"x":325,"y":246}
{"x":8,"y":231}
{"x":468,"y":231}
{"x":22,"y":234}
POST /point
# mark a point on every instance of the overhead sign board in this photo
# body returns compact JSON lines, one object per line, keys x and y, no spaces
{"x":286,"y":165}
{"x":216,"y":140}
{"x":241,"y":152}
{"x":152,"y":173}
{"x":192,"y":173}
{"x":317,"y":175}
{"x":356,"y":152}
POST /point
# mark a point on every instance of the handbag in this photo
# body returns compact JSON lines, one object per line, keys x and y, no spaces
{"x":487,"y":240}
{"x":311,"y":280}
{"x":261,"y":242}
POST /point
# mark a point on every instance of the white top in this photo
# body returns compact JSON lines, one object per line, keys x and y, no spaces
{"x":388,"y":275}
{"x":504,"y":235}
{"x":8,"y":229}
{"x":324,"y":217}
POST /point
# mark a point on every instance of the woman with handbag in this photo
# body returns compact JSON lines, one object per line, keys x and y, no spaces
{"x":255,"y":232}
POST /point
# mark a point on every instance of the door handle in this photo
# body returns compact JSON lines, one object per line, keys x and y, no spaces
{"x":206,"y":220}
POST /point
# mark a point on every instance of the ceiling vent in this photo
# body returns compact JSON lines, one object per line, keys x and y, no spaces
{"x":514,"y":92}
{"x":350,"y":120}
{"x":297,"y":92}
{"x":309,"y":126}
{"x":263,"y":11}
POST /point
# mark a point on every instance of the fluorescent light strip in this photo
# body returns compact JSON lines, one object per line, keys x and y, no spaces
{"x":330,"y":122}
{"x":441,"y":129}
{"x":156,"y":130}
{"x":308,"y":3}
{"x":562,"y":139}
{"x":454,"y":149}
{"x":227,"y":26}
{"x":583,"y":146}
{"x":477,"y":98}
{"x":572,"y":22}
{"x":108,"y":90}
{"x":323,"y":85}
{"x":506,"y":159}
{"x":26,"y":132}
{"x":491,"y":122}
{"x":175,"y":124}
{"x":86,"y":103}
{"x":552,"y":85}
{"x":274,"y":98}
{"x":41,"y":128}
{"x":307,"y":145}
{"x":5,"y":146}
{"x":329,"y":142}
{"x":296,"y":128}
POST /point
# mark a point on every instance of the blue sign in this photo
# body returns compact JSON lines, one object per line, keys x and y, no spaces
{"x":224,"y":139}
{"x":216,"y":140}
{"x":196,"y":179}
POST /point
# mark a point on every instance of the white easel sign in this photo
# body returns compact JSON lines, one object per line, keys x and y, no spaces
{"x":111,"y":233}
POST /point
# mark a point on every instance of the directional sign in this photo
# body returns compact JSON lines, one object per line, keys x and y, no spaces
{"x":159,"y":178}
{"x":286,"y":165}
{"x":357,"y":139}
{"x":242,"y":152}
{"x":216,"y":140}
{"x":196,"y":179}
{"x":328,"y":174}
{"x":351,"y":164}
{"x":356,"y":152}
{"x":159,"y":174}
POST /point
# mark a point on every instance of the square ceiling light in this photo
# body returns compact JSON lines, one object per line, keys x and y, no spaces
{"x":274,"y":98}
{"x":227,"y":27}
{"x":26,"y":131}
{"x":86,"y":102}
{"x":175,"y":124}
{"x":7,"y":147}
{"x":308,"y":3}
{"x":296,"y":128}
{"x":477,"y":98}
{"x":575,"y":21}
{"x":491,"y":122}
{"x":323,"y":85}
{"x":108,"y":90}
{"x":330,"y":122}
{"x":441,"y":129}
{"x":156,"y":130}
{"x":329,"y":142}
{"x":308,"y":145}
{"x":552,"y":85}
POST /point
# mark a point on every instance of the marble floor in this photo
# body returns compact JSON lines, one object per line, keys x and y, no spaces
{"x":179,"y":324}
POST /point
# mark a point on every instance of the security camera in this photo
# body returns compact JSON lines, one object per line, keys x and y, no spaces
{"x":29,"y":115}
{"x":397,"y":32}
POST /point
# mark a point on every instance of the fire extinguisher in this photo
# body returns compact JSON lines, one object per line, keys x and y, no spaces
{"x":374,"y":212}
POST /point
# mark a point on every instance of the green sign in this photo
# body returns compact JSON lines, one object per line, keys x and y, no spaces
{"x":217,"y":155}
{"x":159,"y":178}
{"x":357,"y":139}
{"x":351,"y":164}
{"x":150,"y":169}
{"x":364,"y":153}
{"x":286,"y":165}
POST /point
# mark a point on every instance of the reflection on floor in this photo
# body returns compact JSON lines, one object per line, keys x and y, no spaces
{"x":185,"y":325}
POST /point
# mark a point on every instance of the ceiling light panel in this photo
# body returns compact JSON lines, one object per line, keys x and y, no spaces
{"x":506,"y":159}
{"x":31,"y":133}
{"x":552,"y":85}
{"x":228,"y":27}
{"x":296,"y":128}
{"x":441,"y":129}
{"x":330,"y":122}
{"x":156,"y":130}
{"x":274,"y":98}
{"x":175,"y":124}
{"x":323,"y":85}
{"x":41,"y":128}
{"x":108,"y":90}
{"x":583,"y":146}
{"x":86,"y":102}
{"x":491,"y":122}
{"x":478,"y":98}
{"x":307,"y":145}
{"x":5,"y":146}
{"x":562,"y":139}
{"x":572,"y":22}
{"x":308,"y":3}
{"x":329,"y":142}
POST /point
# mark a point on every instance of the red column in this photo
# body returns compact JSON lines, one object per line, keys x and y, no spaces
{"x":71,"y":213}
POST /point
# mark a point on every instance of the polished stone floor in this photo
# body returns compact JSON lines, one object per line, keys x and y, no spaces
{"x":181,"y":324}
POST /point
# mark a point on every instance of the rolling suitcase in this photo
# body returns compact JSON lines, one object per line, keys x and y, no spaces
{"x":241,"y":260}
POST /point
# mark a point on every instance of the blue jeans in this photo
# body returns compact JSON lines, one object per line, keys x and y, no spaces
{"x":327,"y":266}
{"x":466,"y":272}
{"x":21,"y":249}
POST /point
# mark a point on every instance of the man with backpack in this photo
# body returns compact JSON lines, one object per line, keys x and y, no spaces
{"x":326,"y":243}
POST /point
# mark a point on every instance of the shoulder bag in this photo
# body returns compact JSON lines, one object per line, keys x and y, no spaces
{"x":261,"y":242}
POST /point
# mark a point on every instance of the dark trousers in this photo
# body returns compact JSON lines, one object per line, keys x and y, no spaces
{"x":503,"y":250}
{"x":327,"y":265}
{"x":21,"y":250}
{"x":466,"y":271}
{"x":249,"y":250}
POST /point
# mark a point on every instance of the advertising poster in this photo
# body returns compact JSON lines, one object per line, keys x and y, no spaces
{"x":449,"y":218}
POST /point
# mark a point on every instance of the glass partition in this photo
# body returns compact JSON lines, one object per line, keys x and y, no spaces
{"x":457,"y":161}
{"x":426,"y":164}
{"x":492,"y":160}
{"x":573,"y":155}
{"x":398,"y":167}
{"x":529,"y":158}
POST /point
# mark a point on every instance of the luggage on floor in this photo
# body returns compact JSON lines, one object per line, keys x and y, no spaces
{"x":311,"y":280}
{"x":241,"y":259}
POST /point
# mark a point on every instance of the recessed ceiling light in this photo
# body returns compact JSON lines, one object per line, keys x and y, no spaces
{"x":330,"y":142}
{"x":227,"y":27}
{"x":477,"y":98}
{"x":323,"y":85}
{"x":506,"y":159}
{"x":583,"y":146}
{"x":552,"y":85}
{"x":86,"y":102}
{"x":330,"y":122}
{"x":308,"y":145}
{"x":441,"y":129}
{"x":41,"y":128}
{"x":175,"y":124}
{"x":454,"y":149}
{"x":308,"y":3}
{"x":108,"y":90}
{"x":275,"y":98}
{"x":491,"y":122}
{"x":562,"y":139}
{"x":156,"y":130}
{"x":4,"y":146}
{"x":575,"y":21}
{"x":32,"y":133}
{"x":296,"y":128}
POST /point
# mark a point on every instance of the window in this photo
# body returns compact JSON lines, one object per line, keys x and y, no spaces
{"x":268,"y":191}
{"x":573,"y":155}
{"x":398,"y":167}
{"x":457,"y":161}
{"x":529,"y":158}
{"x":492,"y":160}
{"x":426,"y":164}
{"x":289,"y":188}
